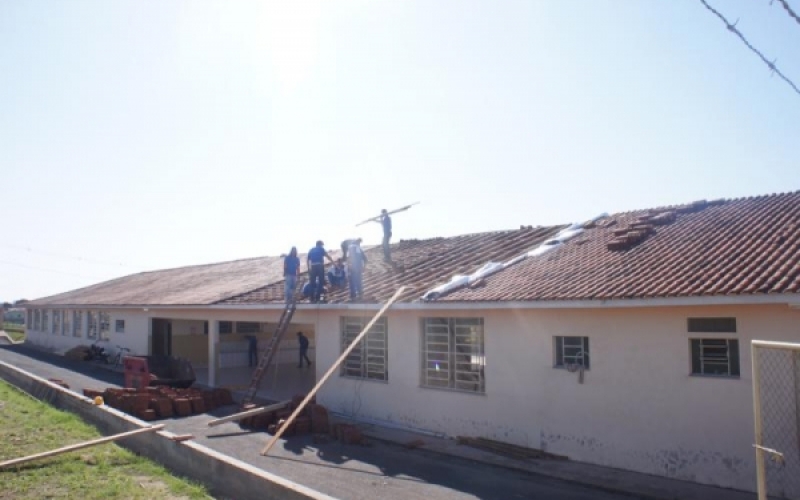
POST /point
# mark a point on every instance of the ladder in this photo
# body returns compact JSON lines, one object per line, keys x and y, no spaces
{"x":272,"y":347}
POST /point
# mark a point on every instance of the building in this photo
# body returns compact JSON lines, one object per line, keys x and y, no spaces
{"x":622,"y":341}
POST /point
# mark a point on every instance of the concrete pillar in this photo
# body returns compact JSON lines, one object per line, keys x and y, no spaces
{"x":213,"y":341}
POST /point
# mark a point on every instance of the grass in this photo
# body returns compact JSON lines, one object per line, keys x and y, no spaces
{"x":15,"y":331}
{"x":107,"y":472}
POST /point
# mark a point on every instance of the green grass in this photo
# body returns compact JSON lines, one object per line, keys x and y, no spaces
{"x":28,"y":426}
{"x":15,"y":331}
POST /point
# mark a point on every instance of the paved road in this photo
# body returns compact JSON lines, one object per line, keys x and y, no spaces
{"x":379,"y":470}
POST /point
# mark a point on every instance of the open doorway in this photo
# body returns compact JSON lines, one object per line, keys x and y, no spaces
{"x":161,"y":344}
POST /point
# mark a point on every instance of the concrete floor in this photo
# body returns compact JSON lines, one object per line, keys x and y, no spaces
{"x":380,"y":470}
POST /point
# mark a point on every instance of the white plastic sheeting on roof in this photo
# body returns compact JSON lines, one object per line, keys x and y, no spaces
{"x":490,"y":268}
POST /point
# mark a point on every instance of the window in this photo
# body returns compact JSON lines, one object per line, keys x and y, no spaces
{"x":105,"y":326}
{"x":37,"y":319}
{"x":44,"y":320}
{"x":452,"y":354}
{"x":56,"y":324}
{"x":572,"y":351}
{"x":119,"y":326}
{"x":368,"y":359}
{"x":66,"y":327}
{"x":718,"y":357}
{"x":247,"y":327}
{"x":77,"y":323}
{"x":712,"y":325}
{"x":225,"y":327}
{"x":91,"y":321}
{"x":29,"y":321}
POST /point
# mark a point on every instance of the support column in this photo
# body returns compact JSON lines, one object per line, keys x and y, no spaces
{"x":213,"y":341}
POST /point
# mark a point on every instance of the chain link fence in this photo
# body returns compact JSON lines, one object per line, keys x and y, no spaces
{"x":776,"y":395}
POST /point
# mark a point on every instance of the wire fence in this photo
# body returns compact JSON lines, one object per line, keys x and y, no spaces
{"x":776,"y":395}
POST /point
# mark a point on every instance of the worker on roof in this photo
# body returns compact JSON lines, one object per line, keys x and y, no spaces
{"x":336,"y":274}
{"x":346,"y":244}
{"x":356,"y":261}
{"x":291,"y":269}
{"x":386,"y":223}
{"x":316,"y":268}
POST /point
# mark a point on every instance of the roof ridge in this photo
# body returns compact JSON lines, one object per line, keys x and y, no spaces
{"x":716,"y":201}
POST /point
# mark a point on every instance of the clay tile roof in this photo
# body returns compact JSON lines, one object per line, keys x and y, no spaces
{"x":192,"y":285}
{"x":725,"y":247}
{"x":420,"y":264}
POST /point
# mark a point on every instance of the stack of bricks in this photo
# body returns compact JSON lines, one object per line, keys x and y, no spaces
{"x":151,"y":403}
{"x":312,"y":420}
{"x":347,"y":434}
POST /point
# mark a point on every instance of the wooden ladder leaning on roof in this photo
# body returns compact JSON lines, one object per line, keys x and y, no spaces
{"x":272,"y":347}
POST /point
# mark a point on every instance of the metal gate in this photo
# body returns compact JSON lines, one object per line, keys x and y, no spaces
{"x":776,"y":400}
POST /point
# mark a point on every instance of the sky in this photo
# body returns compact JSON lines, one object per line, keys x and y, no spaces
{"x":142,"y":135}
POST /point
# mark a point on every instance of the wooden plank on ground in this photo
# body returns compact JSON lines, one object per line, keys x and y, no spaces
{"x":249,"y":413}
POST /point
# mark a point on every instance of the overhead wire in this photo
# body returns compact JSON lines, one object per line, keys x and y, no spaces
{"x":789,"y":10}
{"x":733,"y":29}
{"x":67,"y":256}
{"x":49,"y":270}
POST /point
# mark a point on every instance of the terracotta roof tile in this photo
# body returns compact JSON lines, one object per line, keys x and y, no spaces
{"x":420,"y":264}
{"x":741,"y":246}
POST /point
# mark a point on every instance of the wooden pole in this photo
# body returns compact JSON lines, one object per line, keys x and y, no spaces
{"x":79,"y":446}
{"x":330,"y":371}
{"x":249,"y":413}
{"x":761,"y":474}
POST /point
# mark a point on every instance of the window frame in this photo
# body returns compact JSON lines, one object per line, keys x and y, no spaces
{"x":77,"y":324}
{"x":55,"y":323}
{"x":92,"y":325}
{"x":119,"y":325}
{"x":45,"y":321}
{"x":66,"y":322}
{"x":732,"y":358}
{"x":103,"y":325}
{"x":584,"y":354}
{"x":37,"y":319}
{"x":225,"y":327}
{"x":709,"y":324}
{"x":444,"y":332}
{"x":370,"y":353}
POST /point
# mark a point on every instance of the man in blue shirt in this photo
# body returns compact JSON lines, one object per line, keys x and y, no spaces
{"x":336,"y":275}
{"x":291,"y":268}
{"x":316,"y":268}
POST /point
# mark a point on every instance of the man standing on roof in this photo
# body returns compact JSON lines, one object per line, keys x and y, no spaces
{"x":356,"y":260}
{"x":386,"y":223}
{"x":316,"y":268}
{"x":291,"y":268}
{"x":346,"y":244}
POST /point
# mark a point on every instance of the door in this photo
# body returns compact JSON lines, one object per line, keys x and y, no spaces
{"x":162,"y":337}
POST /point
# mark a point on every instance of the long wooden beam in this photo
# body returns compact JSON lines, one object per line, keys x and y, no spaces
{"x":330,"y":371}
{"x":249,"y":413}
{"x":79,"y":446}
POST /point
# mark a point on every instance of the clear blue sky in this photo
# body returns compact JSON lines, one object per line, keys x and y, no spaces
{"x":159,"y":134}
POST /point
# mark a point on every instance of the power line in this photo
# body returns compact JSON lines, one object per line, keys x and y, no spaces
{"x":732,"y":28}
{"x":49,"y":270}
{"x":68,"y":256}
{"x":789,"y":10}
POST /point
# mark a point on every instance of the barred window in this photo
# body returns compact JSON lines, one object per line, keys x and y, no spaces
{"x":119,"y":326}
{"x":368,"y":360}
{"x":29,"y":320}
{"x":77,"y":323}
{"x":452,"y":354}
{"x":66,"y":326}
{"x":37,"y":319}
{"x":44,"y":320}
{"x":91,"y":320}
{"x":225,"y":327}
{"x":56,"y":324}
{"x":718,"y":357}
{"x":571,"y":351}
{"x":105,"y":326}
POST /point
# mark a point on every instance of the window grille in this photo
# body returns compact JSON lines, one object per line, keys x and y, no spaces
{"x":44,"y":320}
{"x":77,"y":323}
{"x":91,"y":320}
{"x":711,"y":325}
{"x":105,"y":326}
{"x":718,"y":357}
{"x":572,"y":351}
{"x":119,"y":326}
{"x":37,"y":319}
{"x":56,"y":324}
{"x":368,"y":360}
{"x":453,"y":355}
{"x":66,"y":325}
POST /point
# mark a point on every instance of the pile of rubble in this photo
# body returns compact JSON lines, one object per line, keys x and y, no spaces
{"x":313,"y":419}
{"x":151,"y":403}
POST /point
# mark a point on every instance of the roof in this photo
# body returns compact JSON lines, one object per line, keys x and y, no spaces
{"x":193,"y":285}
{"x":743,"y":246}
{"x":421,"y":264}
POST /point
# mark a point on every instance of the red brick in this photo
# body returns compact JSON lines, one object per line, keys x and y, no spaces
{"x":182,"y":407}
{"x":198,"y":405}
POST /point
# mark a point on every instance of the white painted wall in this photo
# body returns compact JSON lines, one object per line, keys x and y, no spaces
{"x":639,"y":409}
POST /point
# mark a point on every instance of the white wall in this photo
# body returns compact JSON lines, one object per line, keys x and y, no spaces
{"x":638,"y":408}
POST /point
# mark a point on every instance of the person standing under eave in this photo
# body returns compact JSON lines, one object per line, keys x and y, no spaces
{"x":356,"y":260}
{"x":386,"y":223}
{"x":316,"y":268}
{"x":291,"y":269}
